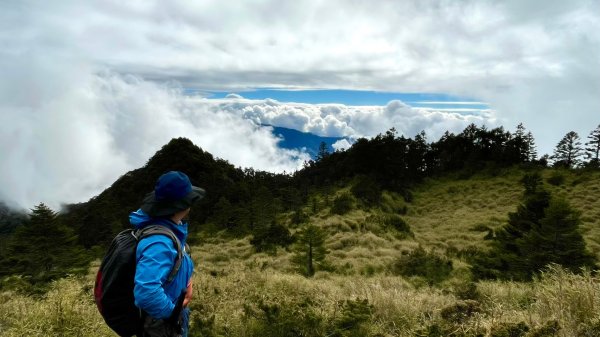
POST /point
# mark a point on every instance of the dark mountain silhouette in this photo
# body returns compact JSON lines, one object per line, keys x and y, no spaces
{"x":298,"y":140}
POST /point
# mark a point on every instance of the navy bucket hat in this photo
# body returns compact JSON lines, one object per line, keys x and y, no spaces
{"x":172,"y":193}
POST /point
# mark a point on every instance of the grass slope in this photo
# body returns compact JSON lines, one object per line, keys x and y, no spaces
{"x":242,"y":293}
{"x":446,"y":212}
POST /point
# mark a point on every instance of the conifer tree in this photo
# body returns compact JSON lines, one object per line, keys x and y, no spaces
{"x":519,"y":144}
{"x":593,"y":148}
{"x":417,"y":153}
{"x":323,"y":151}
{"x":568,"y":151}
{"x":309,"y":249}
{"x":505,"y":259}
{"x":531,"y":152}
{"x":43,"y":249}
{"x":557,"y":240}
{"x":541,"y":231}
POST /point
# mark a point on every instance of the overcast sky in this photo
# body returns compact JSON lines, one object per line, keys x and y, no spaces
{"x":91,"y":89}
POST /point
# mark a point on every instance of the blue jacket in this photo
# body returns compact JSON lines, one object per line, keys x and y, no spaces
{"x":155,"y":258}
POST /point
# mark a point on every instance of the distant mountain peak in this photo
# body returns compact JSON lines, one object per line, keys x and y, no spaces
{"x":298,"y":140}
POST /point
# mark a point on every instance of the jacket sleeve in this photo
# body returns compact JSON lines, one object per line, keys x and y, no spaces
{"x":155,"y":258}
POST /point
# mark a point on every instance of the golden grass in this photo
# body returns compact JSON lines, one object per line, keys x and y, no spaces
{"x":444,"y":209}
{"x":399,"y":308}
{"x":66,"y":310}
{"x":446,"y":215}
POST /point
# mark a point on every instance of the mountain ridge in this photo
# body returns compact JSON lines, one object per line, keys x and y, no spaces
{"x":293,"y":139}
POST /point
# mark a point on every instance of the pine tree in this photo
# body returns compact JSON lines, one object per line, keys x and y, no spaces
{"x":531,"y":151}
{"x":44,"y":249}
{"x":417,"y":153}
{"x":519,"y":144}
{"x":309,"y":249}
{"x":505,"y":259}
{"x":323,"y":151}
{"x":541,"y":231}
{"x":557,"y":240}
{"x":593,"y":148}
{"x":568,"y":151}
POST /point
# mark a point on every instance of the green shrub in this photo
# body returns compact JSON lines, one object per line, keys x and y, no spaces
{"x":351,"y":321}
{"x":549,"y":329}
{"x":342,"y":204}
{"x":296,"y":318}
{"x":510,"y":330}
{"x":460,"y":311}
{"x":467,"y":291}
{"x":556,"y":179}
{"x":299,"y":217}
{"x":367,"y":190}
{"x":402,"y":210}
{"x":304,"y":317}
{"x":445,"y":329}
{"x":397,"y":223}
{"x":591,"y":329}
{"x":266,"y":239}
{"x":433,"y":330}
{"x":202,"y":321}
{"x":419,"y":262}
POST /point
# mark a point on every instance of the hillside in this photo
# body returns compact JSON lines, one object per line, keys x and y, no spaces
{"x":449,"y":215}
{"x":240,"y":292}
{"x":400,"y":244}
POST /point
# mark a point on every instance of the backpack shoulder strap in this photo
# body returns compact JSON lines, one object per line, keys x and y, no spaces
{"x":162,"y":230}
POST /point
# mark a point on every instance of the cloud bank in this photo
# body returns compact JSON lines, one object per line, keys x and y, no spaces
{"x":91,"y":89}
{"x":339,"y":120}
{"x":67,"y":140}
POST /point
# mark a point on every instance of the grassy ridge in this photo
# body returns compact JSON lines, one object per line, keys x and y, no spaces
{"x":242,"y":293}
{"x":446,"y":212}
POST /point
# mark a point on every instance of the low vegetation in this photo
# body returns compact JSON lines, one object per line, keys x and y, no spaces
{"x":485,"y":242}
{"x":257,"y":297}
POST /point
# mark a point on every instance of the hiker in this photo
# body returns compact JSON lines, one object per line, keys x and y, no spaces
{"x":163,"y":304}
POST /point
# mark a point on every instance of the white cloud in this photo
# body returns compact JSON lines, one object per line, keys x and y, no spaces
{"x":536,"y":62}
{"x":339,"y":120}
{"x":449,"y":103}
{"x":67,"y":140}
{"x":234,"y":96}
{"x":341,"y":144}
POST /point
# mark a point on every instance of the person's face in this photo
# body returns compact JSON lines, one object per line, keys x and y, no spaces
{"x":181,"y":215}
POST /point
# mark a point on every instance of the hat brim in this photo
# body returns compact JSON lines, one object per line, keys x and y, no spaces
{"x":156,"y":208}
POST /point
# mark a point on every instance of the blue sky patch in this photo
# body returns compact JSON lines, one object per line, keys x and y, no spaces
{"x":435,"y":101}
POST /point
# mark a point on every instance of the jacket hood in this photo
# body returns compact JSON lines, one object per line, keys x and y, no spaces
{"x":139,"y":220}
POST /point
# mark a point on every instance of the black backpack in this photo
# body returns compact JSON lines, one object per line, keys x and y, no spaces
{"x":113,"y":290}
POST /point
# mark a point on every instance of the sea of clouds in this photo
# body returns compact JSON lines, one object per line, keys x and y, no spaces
{"x":90,"y":90}
{"x":66,"y":139}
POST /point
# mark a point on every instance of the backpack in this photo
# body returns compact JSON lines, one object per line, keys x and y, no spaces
{"x":113,"y":290}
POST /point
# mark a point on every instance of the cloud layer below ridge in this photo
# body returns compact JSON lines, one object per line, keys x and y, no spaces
{"x":92,"y":89}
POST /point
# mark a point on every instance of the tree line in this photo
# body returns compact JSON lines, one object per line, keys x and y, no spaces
{"x":245,"y":201}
